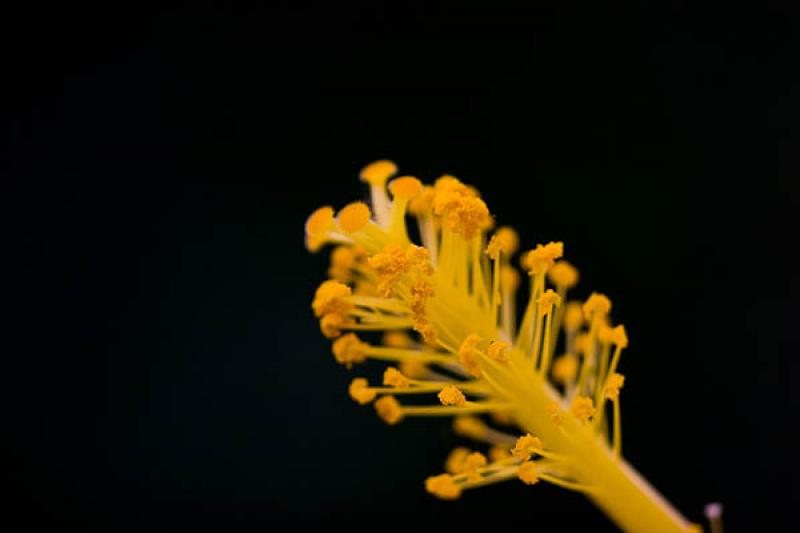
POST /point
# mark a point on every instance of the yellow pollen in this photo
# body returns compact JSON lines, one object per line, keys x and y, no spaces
{"x":497,"y":350}
{"x":472,"y":463}
{"x":359,"y":391}
{"x":613,"y":385}
{"x":467,"y":215}
{"x":397,"y":339}
{"x":319,"y":221}
{"x":452,"y":395}
{"x":443,"y":486}
{"x":596,"y":305}
{"x":573,"y":317}
{"x":565,"y":368}
{"x":619,"y":337}
{"x":546,"y":302}
{"x":470,"y":426}
{"x":330,"y":325}
{"x":455,"y":461}
{"x":582,"y":407}
{"x":563,"y":274}
{"x":543,"y":256}
{"x":526,"y":446}
{"x":494,"y":248}
{"x":378,"y":172}
{"x":394,"y":378}
{"x":407,"y":187}
{"x":330,"y":298}
{"x":528,"y":473}
{"x":349,"y":349}
{"x":353,"y":217}
{"x":389,"y":410}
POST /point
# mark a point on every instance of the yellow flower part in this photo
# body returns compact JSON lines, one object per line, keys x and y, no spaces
{"x":526,"y":446}
{"x":444,"y":316}
{"x":455,"y":461}
{"x":528,"y":473}
{"x":582,"y":407}
{"x":451,"y":395}
{"x":443,"y":486}
{"x":497,"y":350}
{"x":563,"y":275}
{"x":394,"y":378}
{"x":613,"y":385}
{"x":359,"y":391}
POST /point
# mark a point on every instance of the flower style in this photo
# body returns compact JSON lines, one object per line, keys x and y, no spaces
{"x":553,"y":376}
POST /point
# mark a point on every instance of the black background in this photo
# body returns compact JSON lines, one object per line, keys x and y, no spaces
{"x":168,"y":372}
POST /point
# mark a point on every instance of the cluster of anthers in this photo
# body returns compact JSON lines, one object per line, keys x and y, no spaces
{"x":554,"y":375}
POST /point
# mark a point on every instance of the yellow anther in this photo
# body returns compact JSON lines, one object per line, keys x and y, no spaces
{"x":597,"y":305}
{"x":613,"y":385}
{"x":422,"y":204}
{"x":452,"y":395}
{"x":443,"y":486}
{"x":565,"y":368}
{"x":413,"y":369}
{"x":555,"y":412}
{"x":543,"y":257}
{"x":547,"y":300}
{"x":397,"y":339}
{"x":330,"y":325}
{"x":467,"y":357}
{"x":455,"y":461}
{"x":605,"y":333}
{"x":509,"y":278}
{"x":619,"y":337}
{"x":378,"y":172}
{"x":498,"y":453}
{"x":331,"y":298}
{"x":528,"y":473}
{"x":472,"y":464}
{"x":391,"y":263}
{"x":319,"y":221}
{"x":420,"y":258}
{"x":353,"y":217}
{"x":526,"y":446}
{"x":563,"y":274}
{"x":470,"y":426}
{"x":573,"y":317}
{"x":494,"y":248}
{"x":394,"y":378}
{"x":407,"y":187}
{"x":389,"y":409}
{"x":359,"y":391}
{"x":467,"y":215}
{"x":497,"y":350}
{"x":349,"y":349}
{"x":582,"y":407}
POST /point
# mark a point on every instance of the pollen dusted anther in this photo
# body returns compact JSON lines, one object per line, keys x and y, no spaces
{"x":447,"y":308}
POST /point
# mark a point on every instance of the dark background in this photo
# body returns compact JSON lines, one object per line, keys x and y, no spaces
{"x":159,"y":165}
